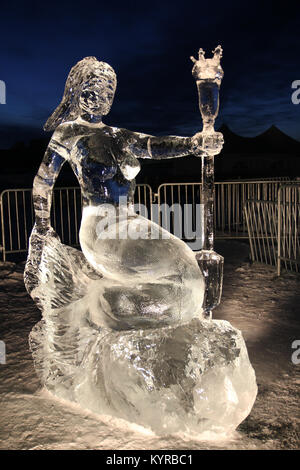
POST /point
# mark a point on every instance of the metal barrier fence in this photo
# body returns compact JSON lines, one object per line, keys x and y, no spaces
{"x":289,"y":228}
{"x":262,"y":222}
{"x":230,"y":197}
{"x":274,"y":229}
{"x":17,"y":215}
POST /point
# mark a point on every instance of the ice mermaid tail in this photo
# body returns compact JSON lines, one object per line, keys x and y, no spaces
{"x":147,"y":283}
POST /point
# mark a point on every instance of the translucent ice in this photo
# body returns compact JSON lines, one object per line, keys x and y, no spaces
{"x":146,"y":280}
{"x":208,"y":74}
{"x":122,"y":329}
{"x":195,"y":377}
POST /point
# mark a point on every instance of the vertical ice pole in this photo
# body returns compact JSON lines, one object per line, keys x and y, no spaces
{"x":208,"y":74}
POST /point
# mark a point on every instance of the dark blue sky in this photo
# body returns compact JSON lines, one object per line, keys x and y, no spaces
{"x":149,"y":44}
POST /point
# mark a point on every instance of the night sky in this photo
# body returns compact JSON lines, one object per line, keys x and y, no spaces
{"x":149,"y":45}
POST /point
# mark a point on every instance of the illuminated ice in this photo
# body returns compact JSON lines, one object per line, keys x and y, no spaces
{"x":123,"y":329}
{"x":194,"y":377}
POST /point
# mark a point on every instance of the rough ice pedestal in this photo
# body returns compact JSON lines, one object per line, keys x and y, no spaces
{"x":194,"y":378}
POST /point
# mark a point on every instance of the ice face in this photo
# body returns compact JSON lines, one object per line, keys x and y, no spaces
{"x":89,"y":82}
{"x":97,"y":96}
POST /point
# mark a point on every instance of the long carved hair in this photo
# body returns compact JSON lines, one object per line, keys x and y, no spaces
{"x":84,"y":70}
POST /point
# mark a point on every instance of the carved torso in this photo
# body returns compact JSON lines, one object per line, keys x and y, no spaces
{"x":105,"y":168}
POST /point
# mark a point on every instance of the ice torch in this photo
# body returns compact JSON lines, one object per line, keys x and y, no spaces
{"x":208,"y":74}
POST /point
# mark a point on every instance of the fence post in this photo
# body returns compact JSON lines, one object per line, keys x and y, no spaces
{"x":278,"y":231}
{"x":2,"y":229}
{"x":246,"y":213}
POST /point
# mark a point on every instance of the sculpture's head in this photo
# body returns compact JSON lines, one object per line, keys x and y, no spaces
{"x":89,"y":89}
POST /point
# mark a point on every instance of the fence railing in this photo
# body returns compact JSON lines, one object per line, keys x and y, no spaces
{"x":274,"y":229}
{"x":262,"y":221}
{"x":230,"y":198}
{"x":289,"y":228}
{"x":17,"y":216}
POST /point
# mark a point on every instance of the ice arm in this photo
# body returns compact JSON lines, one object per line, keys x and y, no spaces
{"x":157,"y":148}
{"x":163,"y":147}
{"x":43,"y":184}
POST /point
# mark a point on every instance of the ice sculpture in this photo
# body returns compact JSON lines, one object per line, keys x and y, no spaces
{"x":124,"y":328}
{"x":208,"y":74}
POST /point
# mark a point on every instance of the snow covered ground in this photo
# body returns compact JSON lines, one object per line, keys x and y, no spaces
{"x":264,"y":307}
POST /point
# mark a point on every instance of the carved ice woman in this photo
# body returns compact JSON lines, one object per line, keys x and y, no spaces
{"x":165,"y":368}
{"x":124,"y":277}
